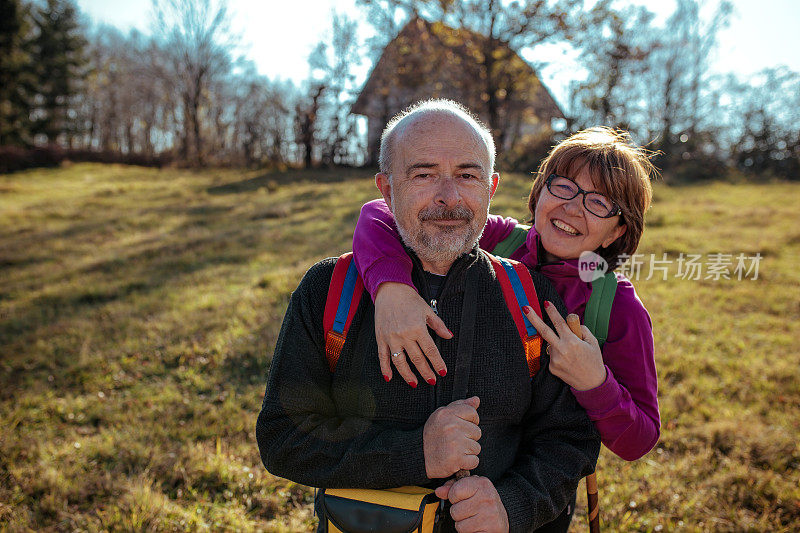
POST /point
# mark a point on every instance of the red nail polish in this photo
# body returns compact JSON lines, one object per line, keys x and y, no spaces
{"x":386,"y":378}
{"x":451,"y":333}
{"x":431,"y":381}
{"x":526,"y":309}
{"x":547,"y":304}
{"x":443,"y":372}
{"x":413,"y":384}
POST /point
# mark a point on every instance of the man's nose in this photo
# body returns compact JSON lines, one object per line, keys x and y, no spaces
{"x":447,"y":193}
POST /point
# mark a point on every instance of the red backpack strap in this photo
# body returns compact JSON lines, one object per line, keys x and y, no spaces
{"x":519,"y":291}
{"x":344,"y":294}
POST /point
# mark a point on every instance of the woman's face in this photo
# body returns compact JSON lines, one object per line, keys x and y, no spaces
{"x":567,"y":229}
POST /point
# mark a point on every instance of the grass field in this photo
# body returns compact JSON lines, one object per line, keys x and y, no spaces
{"x":139,"y":309}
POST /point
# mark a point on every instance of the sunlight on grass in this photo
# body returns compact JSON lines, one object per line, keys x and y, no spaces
{"x":139,"y":309}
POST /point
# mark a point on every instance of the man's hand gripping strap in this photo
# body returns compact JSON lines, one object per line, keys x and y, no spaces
{"x":518,"y":291}
{"x":344,"y":294}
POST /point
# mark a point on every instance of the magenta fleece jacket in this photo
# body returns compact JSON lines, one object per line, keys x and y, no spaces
{"x":625,"y":407}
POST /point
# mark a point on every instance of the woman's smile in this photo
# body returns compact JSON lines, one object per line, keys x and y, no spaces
{"x":564,"y":227}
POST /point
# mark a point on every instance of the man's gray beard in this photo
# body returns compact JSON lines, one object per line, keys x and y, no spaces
{"x":450,"y":243}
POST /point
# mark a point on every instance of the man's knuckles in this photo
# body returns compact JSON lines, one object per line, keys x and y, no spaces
{"x":468,"y":413}
{"x":455,"y":412}
{"x":464,"y":488}
{"x":473,"y":447}
{"x":469,"y":462}
{"x":462,"y":511}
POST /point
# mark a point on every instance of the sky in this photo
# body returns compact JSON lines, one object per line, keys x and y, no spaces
{"x":278,"y":35}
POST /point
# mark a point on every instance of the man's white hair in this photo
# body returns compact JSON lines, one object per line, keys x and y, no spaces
{"x":429,"y":107}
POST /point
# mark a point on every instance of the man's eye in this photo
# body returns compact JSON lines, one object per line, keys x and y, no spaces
{"x":468,"y":176}
{"x":423,"y":175}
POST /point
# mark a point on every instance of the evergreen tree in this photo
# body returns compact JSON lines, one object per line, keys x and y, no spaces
{"x":60,"y":67}
{"x":17,"y":82}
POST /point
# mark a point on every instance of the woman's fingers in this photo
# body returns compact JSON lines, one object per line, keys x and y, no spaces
{"x":437,"y":325}
{"x":588,"y":337}
{"x":402,"y":318}
{"x":416,"y":354}
{"x":574,"y":323}
{"x":547,"y":334}
{"x":428,"y":347}
{"x":383,"y":360}
{"x":398,"y":356}
{"x":555,"y":317}
{"x":416,"y":357}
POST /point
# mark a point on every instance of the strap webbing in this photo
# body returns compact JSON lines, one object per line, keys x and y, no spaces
{"x":518,"y":290}
{"x":515,"y":239}
{"x":344,"y":295}
{"x":466,"y":335}
{"x":598,"y":308}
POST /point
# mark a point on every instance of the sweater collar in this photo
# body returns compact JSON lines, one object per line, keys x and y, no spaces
{"x":565,"y":268}
{"x":456,"y":272}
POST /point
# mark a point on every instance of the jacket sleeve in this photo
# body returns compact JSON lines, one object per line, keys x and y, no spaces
{"x":625,"y":407}
{"x":497,"y":228}
{"x":379,"y":253}
{"x":377,"y":248}
{"x":559,"y":447}
{"x":299,"y":435}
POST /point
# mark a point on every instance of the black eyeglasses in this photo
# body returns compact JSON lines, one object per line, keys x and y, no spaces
{"x":594,"y":202}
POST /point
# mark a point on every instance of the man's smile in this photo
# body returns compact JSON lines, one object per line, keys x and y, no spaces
{"x":450,"y":222}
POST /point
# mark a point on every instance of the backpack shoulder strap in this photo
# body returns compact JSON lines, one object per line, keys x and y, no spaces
{"x":514,"y":240}
{"x":598,"y":308}
{"x":519,"y":291}
{"x":344,"y":294}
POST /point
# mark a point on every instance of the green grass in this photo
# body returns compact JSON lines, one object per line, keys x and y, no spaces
{"x":139,"y":309}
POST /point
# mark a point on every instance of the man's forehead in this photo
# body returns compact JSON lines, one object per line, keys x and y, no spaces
{"x":430,"y":141}
{"x":432,"y":123}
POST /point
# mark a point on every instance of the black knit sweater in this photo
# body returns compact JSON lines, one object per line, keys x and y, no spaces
{"x":350,"y":428}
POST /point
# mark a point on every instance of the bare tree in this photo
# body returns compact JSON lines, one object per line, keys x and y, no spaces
{"x":333,"y":62}
{"x":614,"y":50}
{"x":763,"y":120}
{"x":250,"y":121}
{"x":306,"y":113}
{"x":678,"y":73}
{"x":198,"y":43}
{"x":122,"y":105}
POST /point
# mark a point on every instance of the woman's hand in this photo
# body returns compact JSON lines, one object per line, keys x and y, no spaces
{"x":579,"y":362}
{"x":402,"y":318}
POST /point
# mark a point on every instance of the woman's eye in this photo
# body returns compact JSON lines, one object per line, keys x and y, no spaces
{"x":598,"y":204}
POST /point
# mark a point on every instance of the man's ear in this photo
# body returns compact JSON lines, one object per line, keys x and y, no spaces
{"x":384,"y":185}
{"x":495,"y":182}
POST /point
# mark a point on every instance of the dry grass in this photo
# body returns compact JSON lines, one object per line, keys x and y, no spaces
{"x":139,"y":309}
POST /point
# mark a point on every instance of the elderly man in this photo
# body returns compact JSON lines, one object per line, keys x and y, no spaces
{"x":525,"y":440}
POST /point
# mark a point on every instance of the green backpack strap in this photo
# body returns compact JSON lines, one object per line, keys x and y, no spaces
{"x":598,"y":308}
{"x":515,"y":239}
